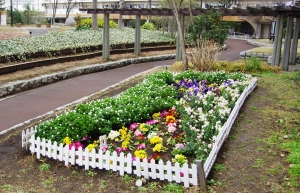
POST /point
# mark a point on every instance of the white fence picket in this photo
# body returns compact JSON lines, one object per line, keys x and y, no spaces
{"x":79,"y":157}
{"x":145,"y":172}
{"x":113,"y":161}
{"x":86,"y":159}
{"x":137,"y":164}
{"x":168,"y":169}
{"x":185,"y":178}
{"x":66,"y":155}
{"x":161,"y":170}
{"x":129,"y":163}
{"x":38,"y":148}
{"x":93,"y":158}
{"x":152,"y":167}
{"x":60,"y":152}
{"x":121,"y":166}
{"x":176,"y":170}
{"x":100,"y":157}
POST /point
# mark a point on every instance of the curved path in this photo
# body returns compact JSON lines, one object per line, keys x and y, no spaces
{"x":30,"y":104}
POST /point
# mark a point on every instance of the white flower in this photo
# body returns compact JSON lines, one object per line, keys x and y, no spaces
{"x":113,"y":134}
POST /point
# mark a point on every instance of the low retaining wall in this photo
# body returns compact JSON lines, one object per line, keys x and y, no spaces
{"x":19,"y":86}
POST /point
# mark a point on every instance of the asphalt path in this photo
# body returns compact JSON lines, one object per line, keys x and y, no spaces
{"x":37,"y":32}
{"x":33,"y":103}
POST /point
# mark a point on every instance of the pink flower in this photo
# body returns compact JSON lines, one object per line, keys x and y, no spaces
{"x":163,"y":114}
{"x":179,"y":146}
{"x":152,"y":122}
{"x":120,"y":149}
{"x":181,"y":174}
{"x":133,"y":126}
{"x":76,"y":145}
{"x":104,"y":148}
{"x":137,"y":132}
{"x":171,"y":127}
{"x":141,"y":146}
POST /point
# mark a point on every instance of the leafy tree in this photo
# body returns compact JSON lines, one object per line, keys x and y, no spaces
{"x":209,"y":27}
{"x":16,"y":14}
{"x":149,"y":26}
{"x":27,"y":14}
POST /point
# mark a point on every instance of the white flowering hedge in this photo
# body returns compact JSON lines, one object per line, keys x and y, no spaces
{"x":72,"y":39}
{"x":200,"y":103}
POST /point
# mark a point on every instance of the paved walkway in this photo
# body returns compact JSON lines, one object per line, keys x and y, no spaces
{"x":30,"y":104}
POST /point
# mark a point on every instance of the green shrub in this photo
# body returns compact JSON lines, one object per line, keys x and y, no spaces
{"x":253,"y":66}
{"x":86,"y":23}
{"x":148,"y":26}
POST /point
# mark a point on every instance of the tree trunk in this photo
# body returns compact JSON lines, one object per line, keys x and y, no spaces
{"x":181,"y":37}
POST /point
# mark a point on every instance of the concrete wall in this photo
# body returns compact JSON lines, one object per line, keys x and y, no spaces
{"x":3,"y":18}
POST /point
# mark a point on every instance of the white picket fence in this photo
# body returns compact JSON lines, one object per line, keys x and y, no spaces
{"x":124,"y":163}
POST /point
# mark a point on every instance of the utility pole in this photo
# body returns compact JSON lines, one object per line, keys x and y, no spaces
{"x":11,"y":15}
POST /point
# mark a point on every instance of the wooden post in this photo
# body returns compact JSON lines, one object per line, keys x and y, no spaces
{"x":105,"y":46}
{"x":201,"y":176}
{"x":293,"y":55}
{"x":278,"y":41}
{"x":287,"y":44}
{"x":137,"y":42}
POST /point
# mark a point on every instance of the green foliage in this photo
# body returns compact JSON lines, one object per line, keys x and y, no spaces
{"x":253,"y":65}
{"x":209,"y":27}
{"x":173,"y":187}
{"x":240,"y":66}
{"x":44,"y":167}
{"x":86,"y":23}
{"x":90,"y":174}
{"x":219,"y":167}
{"x":148,"y":26}
{"x":99,"y":117}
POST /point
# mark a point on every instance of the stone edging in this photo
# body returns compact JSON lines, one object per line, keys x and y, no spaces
{"x":23,"y":85}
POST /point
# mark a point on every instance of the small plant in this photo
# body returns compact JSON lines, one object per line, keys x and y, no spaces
{"x":91,"y":174}
{"x":102,"y":184}
{"x":173,"y":187}
{"x":127,"y":178}
{"x":142,"y":189}
{"x":7,"y":187}
{"x":153,"y":186}
{"x":44,"y":167}
{"x":219,"y":167}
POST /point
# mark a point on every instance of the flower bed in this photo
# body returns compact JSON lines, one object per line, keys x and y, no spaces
{"x":56,"y":41}
{"x":192,"y":114}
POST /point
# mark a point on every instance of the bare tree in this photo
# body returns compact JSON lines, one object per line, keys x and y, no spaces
{"x":69,"y":6}
{"x":54,"y":8}
{"x":176,"y":5}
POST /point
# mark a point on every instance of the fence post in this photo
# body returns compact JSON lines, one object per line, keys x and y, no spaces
{"x":201,"y":175}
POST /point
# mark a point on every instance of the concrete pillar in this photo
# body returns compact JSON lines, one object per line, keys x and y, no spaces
{"x":278,"y":41}
{"x":105,"y":46}
{"x":178,"y":48}
{"x":287,"y":44}
{"x":120,"y":20}
{"x":137,"y":42}
{"x":94,"y":16}
{"x":293,"y":55}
